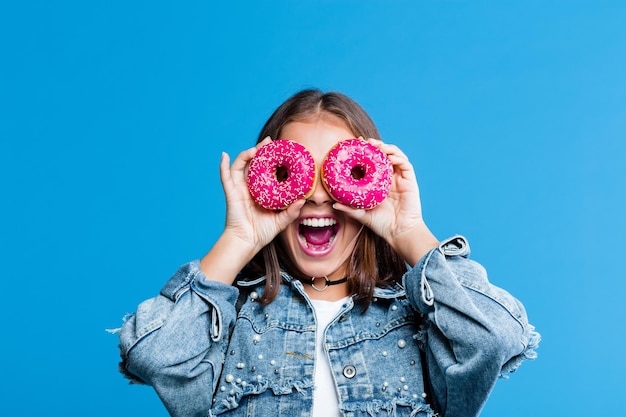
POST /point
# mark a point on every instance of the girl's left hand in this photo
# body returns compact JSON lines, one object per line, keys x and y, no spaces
{"x":398,"y":219}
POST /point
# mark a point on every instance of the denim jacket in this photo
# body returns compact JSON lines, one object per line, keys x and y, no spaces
{"x":435,"y":344}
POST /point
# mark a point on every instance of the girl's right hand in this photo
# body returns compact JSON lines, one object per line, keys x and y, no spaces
{"x":249,"y":227}
{"x":253,"y":225}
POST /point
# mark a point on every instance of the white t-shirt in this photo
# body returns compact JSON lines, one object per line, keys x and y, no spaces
{"x":325,"y":401}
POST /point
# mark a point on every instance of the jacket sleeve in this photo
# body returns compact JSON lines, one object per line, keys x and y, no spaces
{"x":475,"y":331}
{"x":176,"y":342}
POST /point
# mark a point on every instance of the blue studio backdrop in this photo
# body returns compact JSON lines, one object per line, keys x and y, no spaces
{"x":113,"y":116}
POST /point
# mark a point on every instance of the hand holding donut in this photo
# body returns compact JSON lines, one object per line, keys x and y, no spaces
{"x":398,"y":218}
{"x":245,"y":219}
{"x":248,"y":227}
{"x":371,"y":181}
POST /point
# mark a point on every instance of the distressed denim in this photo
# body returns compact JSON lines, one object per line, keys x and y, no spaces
{"x":435,"y":344}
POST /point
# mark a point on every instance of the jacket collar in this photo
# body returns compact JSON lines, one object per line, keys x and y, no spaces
{"x":393,"y":291}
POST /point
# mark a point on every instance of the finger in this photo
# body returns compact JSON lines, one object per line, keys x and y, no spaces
{"x":398,"y":159}
{"x":359,"y":215}
{"x":375,"y":142}
{"x":225,"y":176}
{"x":239,"y":165}
{"x":225,"y":168}
{"x":243,"y":159}
{"x":401,"y":161}
{"x":294,"y":208}
{"x":290,"y":214}
{"x":390,"y":149}
{"x":264,"y":142}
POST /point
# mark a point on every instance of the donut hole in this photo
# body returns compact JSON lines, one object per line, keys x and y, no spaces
{"x":357,"y":172}
{"x":282,"y":173}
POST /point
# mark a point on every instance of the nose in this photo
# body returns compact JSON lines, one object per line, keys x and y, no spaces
{"x":320,"y":196}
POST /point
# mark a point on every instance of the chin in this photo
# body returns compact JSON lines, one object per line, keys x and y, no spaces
{"x":317,"y":270}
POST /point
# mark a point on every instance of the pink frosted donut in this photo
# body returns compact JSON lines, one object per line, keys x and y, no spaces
{"x":280,"y":173}
{"x":357,"y":173}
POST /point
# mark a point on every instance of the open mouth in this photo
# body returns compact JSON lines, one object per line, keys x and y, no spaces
{"x":317,"y":234}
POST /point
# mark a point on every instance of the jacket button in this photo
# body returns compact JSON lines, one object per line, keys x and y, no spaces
{"x":349,"y":371}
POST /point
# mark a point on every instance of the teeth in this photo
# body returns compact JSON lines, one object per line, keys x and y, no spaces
{"x":317,"y":222}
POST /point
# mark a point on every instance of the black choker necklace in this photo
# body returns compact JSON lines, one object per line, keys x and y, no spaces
{"x":327,"y":282}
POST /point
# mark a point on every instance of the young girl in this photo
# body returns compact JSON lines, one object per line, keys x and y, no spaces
{"x":322,"y":309}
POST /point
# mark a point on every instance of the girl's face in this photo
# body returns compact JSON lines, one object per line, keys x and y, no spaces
{"x":321,"y":240}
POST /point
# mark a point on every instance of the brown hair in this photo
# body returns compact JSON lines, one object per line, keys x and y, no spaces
{"x":373,"y":262}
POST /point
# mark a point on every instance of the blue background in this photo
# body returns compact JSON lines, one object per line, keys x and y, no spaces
{"x":113,"y":115}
